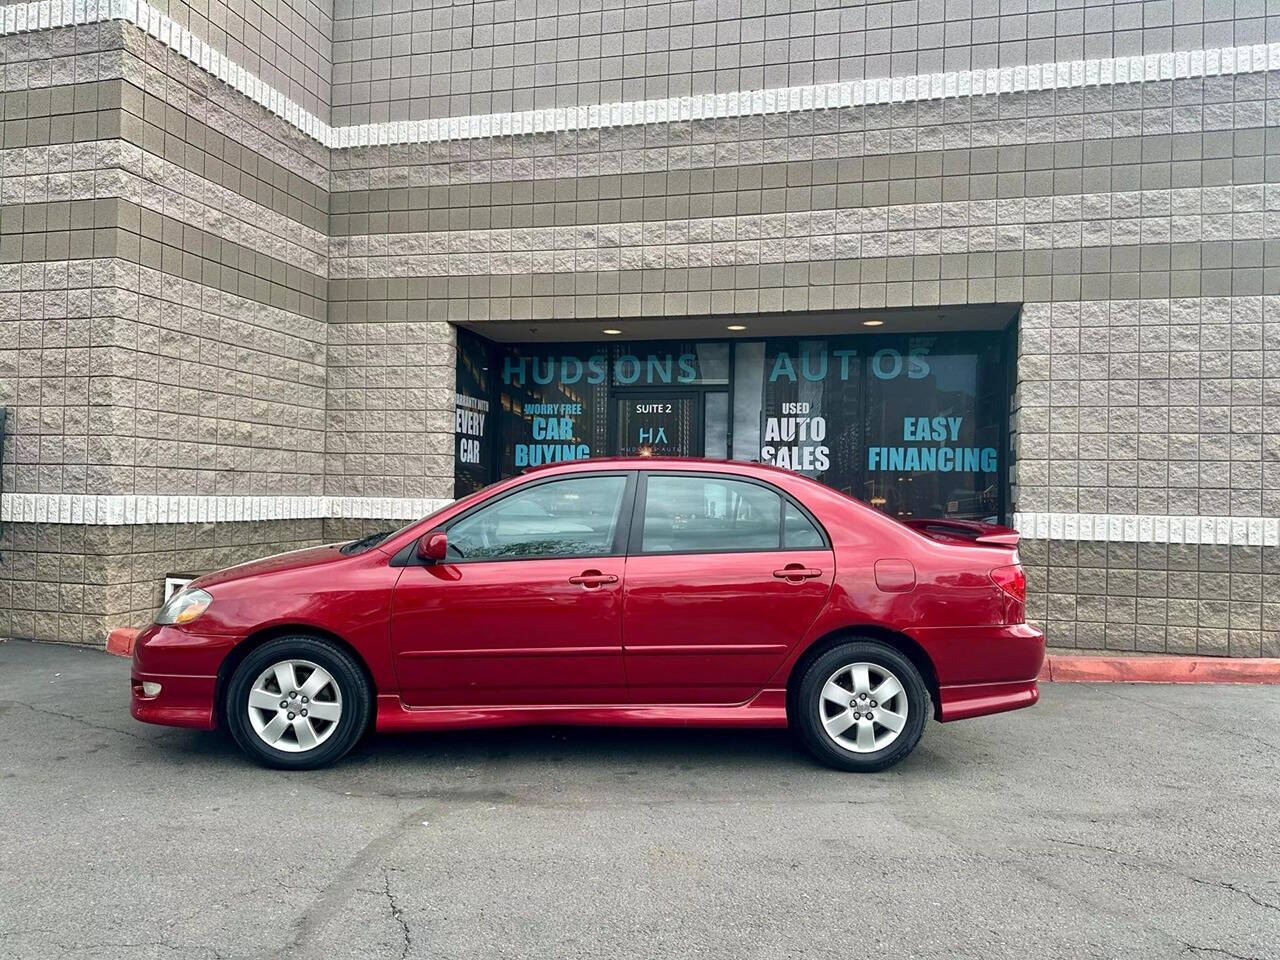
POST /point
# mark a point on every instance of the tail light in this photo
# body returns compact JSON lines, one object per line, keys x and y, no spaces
{"x":1012,"y":581}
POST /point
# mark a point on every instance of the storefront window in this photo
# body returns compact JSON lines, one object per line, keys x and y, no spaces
{"x":912,"y":424}
{"x":556,"y":400}
{"x":748,"y":399}
{"x":715,"y":419}
{"x":933,"y":430}
{"x":554,"y":405}
{"x":657,"y":425}
{"x":811,"y":395}
{"x":473,"y":427}
{"x":909,"y":424}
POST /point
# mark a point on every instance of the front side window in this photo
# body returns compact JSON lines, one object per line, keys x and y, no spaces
{"x":574,"y":517}
{"x":709,"y":514}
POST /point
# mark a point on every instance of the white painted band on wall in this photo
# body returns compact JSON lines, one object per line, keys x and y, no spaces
{"x":123,"y":510}
{"x":1150,"y":528}
{"x":1066,"y":74}
{"x":129,"y":509}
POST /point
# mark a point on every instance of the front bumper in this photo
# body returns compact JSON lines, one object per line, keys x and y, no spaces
{"x":182,"y":701}
{"x":185,"y":666}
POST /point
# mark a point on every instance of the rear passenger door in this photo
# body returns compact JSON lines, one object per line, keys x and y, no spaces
{"x":724,"y":575}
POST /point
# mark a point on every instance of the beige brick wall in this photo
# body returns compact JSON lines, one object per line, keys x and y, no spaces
{"x":196,"y":297}
{"x":72,"y":583}
{"x":162,"y":293}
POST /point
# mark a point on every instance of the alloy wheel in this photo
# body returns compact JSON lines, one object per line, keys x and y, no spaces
{"x":863,"y":707}
{"x":294,"y":705}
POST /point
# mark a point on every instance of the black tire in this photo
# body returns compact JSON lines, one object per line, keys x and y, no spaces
{"x":349,"y":679}
{"x":809,"y":706}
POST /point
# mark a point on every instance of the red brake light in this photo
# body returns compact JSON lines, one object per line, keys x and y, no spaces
{"x":1012,"y":580}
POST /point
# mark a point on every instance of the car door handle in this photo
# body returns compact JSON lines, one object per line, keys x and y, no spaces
{"x":593,"y":578}
{"x":796,"y":572}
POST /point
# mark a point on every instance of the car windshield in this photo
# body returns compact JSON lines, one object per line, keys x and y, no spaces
{"x":364,"y":543}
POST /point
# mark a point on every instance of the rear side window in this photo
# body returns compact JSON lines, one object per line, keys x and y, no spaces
{"x":709,"y":514}
{"x":798,"y":531}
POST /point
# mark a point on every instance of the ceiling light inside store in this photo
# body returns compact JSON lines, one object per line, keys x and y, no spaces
{"x":611,"y":331}
{"x":873,"y":323}
{"x":736,"y":326}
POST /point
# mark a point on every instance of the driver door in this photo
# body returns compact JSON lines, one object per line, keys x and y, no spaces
{"x":526,"y":609}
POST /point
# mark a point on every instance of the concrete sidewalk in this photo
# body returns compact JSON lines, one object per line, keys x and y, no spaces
{"x":1108,"y":821}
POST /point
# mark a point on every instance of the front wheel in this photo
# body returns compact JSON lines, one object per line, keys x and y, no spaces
{"x":861,"y":706}
{"x":298,"y":703}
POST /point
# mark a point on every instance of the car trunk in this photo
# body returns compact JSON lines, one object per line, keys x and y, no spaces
{"x":997,"y":555}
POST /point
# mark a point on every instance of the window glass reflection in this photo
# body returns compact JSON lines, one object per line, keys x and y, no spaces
{"x":565,"y":518}
{"x":910,"y":424}
{"x":704,"y":514}
{"x":716,"y":426}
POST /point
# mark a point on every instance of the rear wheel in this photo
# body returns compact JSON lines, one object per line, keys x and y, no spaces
{"x":861,"y":706}
{"x":297,"y":703}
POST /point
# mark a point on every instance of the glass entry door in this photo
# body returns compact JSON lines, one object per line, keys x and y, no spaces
{"x":653,"y":423}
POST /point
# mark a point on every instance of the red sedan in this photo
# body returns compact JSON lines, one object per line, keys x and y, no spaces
{"x":644,"y":592}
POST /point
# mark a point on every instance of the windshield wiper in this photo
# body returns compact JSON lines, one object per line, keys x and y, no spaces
{"x":364,"y":543}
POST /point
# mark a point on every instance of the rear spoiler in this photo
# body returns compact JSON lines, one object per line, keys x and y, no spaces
{"x":966,"y":531}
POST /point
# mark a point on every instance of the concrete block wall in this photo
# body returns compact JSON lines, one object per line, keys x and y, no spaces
{"x":1129,"y":221}
{"x":419,"y":59}
{"x":163,"y":301}
{"x":1156,"y":598}
{"x":187,"y":258}
{"x":178,"y":323}
{"x":73,"y":583}
{"x":287,"y":43}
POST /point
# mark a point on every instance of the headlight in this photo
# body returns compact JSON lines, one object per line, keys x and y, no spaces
{"x":184,"y":606}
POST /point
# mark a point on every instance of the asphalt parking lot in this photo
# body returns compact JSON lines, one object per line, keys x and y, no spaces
{"x":1109,"y":821}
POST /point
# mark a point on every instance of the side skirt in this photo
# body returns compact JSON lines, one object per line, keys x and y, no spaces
{"x":767,"y":709}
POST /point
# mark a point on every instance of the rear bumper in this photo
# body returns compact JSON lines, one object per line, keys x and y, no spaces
{"x":980,"y":699}
{"x":185,"y":667}
{"x":984,"y":670}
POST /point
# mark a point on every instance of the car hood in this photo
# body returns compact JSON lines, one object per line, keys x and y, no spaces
{"x":280,"y":563}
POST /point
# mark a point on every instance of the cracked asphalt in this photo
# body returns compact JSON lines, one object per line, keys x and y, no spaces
{"x":1109,"y":821}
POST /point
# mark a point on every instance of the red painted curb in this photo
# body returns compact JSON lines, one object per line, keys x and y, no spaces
{"x":120,"y":641}
{"x":1159,"y":669}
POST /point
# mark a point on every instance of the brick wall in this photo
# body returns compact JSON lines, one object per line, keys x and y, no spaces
{"x":163,"y":272}
{"x":198,"y":298}
{"x":421,"y":59}
{"x":73,"y":583}
{"x":288,"y":43}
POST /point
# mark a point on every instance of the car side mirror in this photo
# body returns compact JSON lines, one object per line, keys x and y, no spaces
{"x":433,"y":546}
